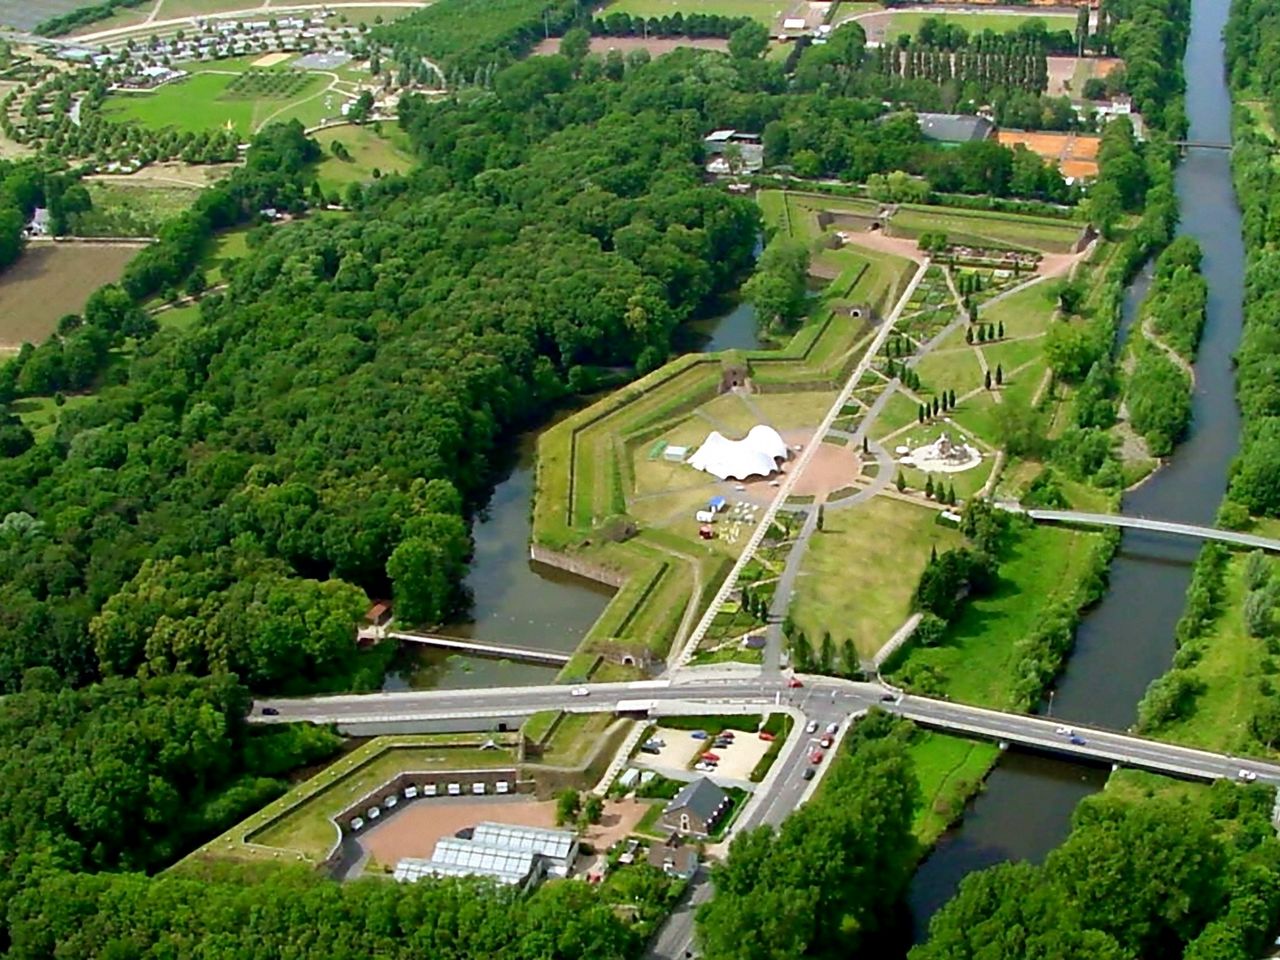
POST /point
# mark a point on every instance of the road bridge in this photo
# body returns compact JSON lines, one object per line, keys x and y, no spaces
{"x":475,"y":648}
{"x":1156,"y":526}
{"x":1202,"y":145}
{"x":825,"y":694}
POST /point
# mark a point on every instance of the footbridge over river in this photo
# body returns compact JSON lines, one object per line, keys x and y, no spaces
{"x":480,"y":707}
{"x":1156,"y":526}
{"x":476,"y":648}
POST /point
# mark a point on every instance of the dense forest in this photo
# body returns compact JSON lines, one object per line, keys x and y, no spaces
{"x":1253,"y":37}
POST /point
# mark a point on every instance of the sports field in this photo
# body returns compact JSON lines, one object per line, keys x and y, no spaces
{"x":765,"y":11}
{"x":982,"y":228}
{"x":225,"y":94}
{"x":910,"y":22}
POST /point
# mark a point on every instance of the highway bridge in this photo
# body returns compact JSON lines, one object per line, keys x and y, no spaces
{"x":476,"y":648}
{"x":825,"y":694}
{"x":1156,"y":526}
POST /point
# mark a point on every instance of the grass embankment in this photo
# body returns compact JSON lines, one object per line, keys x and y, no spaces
{"x":950,"y":771}
{"x":985,"y":228}
{"x":300,"y":822}
{"x":763,"y":11}
{"x":861,"y":570}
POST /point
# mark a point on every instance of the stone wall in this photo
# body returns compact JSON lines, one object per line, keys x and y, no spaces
{"x":577,"y":566}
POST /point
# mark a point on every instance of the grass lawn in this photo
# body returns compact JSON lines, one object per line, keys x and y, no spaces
{"x":950,"y":368}
{"x":1230,"y":669}
{"x":226,"y":246}
{"x":900,"y":411}
{"x":975,"y":662}
{"x":574,"y":738}
{"x":179,"y":318}
{"x":986,"y":228}
{"x":1012,"y":354}
{"x":647,"y":825}
{"x":369,"y":151}
{"x":860,"y":571}
{"x":950,"y":770}
{"x":1026,"y":312}
{"x":973,"y":22}
{"x":40,"y":414}
{"x":201,"y":102}
{"x":765,"y":11}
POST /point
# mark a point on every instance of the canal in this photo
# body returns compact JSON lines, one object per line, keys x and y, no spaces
{"x":516,"y":600}
{"x":1127,"y":640}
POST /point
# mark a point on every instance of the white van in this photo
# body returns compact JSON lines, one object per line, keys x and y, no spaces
{"x":455,"y":789}
{"x":705,"y":516}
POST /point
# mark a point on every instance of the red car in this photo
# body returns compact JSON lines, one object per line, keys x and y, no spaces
{"x":815,"y":757}
{"x":794,"y":682}
{"x":766,"y":735}
{"x":713,"y":758}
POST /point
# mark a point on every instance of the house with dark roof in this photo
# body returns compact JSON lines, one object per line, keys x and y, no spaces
{"x":697,"y":809}
{"x":955,"y":127}
{"x":674,"y":858}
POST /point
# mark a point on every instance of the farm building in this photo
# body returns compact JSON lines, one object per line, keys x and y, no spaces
{"x":513,"y":855}
{"x":730,"y":151}
{"x":755,"y":455}
{"x":696,"y":809}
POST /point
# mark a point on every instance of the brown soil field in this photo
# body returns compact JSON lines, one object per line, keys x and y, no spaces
{"x":657,"y":46}
{"x":414,"y":829}
{"x":51,"y":280}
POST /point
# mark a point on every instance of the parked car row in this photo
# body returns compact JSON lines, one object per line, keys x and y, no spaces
{"x":413,"y":792}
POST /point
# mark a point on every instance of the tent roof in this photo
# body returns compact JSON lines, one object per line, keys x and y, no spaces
{"x":755,"y":455}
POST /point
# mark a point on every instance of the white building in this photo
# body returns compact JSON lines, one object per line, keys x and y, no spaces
{"x":513,"y":855}
{"x":755,"y":455}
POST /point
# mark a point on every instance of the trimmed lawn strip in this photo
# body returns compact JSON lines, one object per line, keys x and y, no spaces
{"x":911,"y":21}
{"x":986,"y":228}
{"x":763,"y":11}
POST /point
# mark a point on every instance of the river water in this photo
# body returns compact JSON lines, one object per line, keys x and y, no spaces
{"x":516,"y":600}
{"x":1127,"y":640}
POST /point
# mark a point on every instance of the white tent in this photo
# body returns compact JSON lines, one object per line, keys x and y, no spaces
{"x":755,"y":455}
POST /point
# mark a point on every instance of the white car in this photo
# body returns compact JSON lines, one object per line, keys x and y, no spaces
{"x":1248,"y":776}
{"x":391,"y":801}
{"x":579,"y":692}
{"x":812,"y":727}
{"x":833,"y":728}
{"x":356,"y":823}
{"x":1064,"y":731}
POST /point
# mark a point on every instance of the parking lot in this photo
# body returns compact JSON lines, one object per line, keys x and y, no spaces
{"x":681,"y":751}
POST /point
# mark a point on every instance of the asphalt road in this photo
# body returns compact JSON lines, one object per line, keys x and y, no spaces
{"x":822,"y":698}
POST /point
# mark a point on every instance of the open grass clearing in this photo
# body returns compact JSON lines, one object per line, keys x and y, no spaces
{"x":41,"y":414}
{"x":986,"y":228}
{"x":950,"y":368}
{"x":975,"y":662}
{"x":1011,"y":354}
{"x":860,"y":571}
{"x":386,"y":153}
{"x":900,"y":411}
{"x":129,"y":209}
{"x":50,"y":280}
{"x":950,"y":770}
{"x":574,"y":738}
{"x":225,"y":247}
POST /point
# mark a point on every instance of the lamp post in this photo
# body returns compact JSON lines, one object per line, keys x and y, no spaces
{"x":1051,"y":693}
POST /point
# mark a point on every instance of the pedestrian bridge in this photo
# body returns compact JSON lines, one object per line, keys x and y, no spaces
{"x":495,"y":651}
{"x":1156,"y":526}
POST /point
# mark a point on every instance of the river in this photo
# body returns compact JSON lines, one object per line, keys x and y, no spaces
{"x":516,"y":600}
{"x":1127,"y":640}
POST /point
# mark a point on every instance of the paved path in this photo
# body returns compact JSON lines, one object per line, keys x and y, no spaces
{"x":478,"y":649}
{"x":149,"y":26}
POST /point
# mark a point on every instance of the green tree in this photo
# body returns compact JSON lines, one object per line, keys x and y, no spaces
{"x":568,"y":805}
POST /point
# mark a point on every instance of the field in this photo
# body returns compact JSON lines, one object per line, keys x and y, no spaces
{"x":41,"y":414}
{"x":986,"y":229}
{"x":208,"y":99}
{"x":765,"y":11}
{"x":861,"y":569}
{"x":889,"y":26}
{"x":369,"y":152}
{"x":51,"y":280}
{"x":1075,"y":154}
{"x":975,"y":663}
{"x":123,"y":209}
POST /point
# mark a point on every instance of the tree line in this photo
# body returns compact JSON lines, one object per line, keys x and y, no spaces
{"x":1252,"y":37}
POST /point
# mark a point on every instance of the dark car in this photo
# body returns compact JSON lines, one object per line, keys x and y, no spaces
{"x":808,"y":773}
{"x":1077,"y":740}
{"x":270,"y":712}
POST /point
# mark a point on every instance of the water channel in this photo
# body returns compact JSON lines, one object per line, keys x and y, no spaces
{"x":516,"y":600}
{"x":1127,"y":640}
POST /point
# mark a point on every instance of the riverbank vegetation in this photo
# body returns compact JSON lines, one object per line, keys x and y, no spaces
{"x":1190,"y":875}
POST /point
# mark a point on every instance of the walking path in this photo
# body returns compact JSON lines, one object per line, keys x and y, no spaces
{"x":1177,"y":359}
